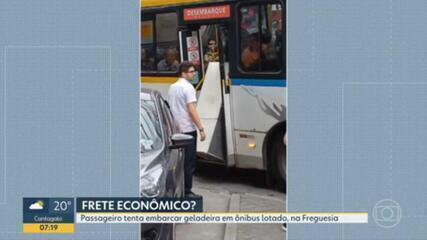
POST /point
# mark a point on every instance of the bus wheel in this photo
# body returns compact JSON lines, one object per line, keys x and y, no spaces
{"x":279,"y":162}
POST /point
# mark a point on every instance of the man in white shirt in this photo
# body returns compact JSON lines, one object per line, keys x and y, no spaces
{"x":183,"y":104}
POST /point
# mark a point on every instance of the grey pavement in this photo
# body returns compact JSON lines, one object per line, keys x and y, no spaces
{"x":235,"y":190}
{"x":212,"y":202}
{"x":254,"y":202}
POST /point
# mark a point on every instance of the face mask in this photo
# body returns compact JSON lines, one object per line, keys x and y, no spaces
{"x":196,"y":78}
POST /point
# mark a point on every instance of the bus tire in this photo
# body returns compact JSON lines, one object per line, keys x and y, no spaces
{"x":279,"y":163}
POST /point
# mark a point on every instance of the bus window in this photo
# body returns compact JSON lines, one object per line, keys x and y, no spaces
{"x":167,"y":43}
{"x":147,"y":53}
{"x":159,"y":43}
{"x":261,"y":38}
{"x":249,"y":38}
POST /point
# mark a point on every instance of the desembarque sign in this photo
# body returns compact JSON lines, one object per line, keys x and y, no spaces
{"x":207,"y":13}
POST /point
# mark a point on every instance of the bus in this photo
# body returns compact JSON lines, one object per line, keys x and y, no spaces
{"x":239,"y":50}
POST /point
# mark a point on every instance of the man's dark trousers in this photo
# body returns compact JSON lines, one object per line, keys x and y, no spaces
{"x":190,"y":162}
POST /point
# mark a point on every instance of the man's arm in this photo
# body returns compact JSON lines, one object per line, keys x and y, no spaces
{"x":192,"y":110}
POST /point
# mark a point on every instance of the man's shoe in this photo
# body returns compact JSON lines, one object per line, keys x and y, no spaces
{"x":192,"y":195}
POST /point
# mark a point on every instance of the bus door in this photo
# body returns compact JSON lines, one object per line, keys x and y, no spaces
{"x":205,"y":46}
{"x":191,"y":51}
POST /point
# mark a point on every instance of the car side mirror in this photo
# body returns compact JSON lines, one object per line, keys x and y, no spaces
{"x":180,"y":140}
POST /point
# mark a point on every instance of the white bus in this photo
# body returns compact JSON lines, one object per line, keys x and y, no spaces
{"x":239,"y":48}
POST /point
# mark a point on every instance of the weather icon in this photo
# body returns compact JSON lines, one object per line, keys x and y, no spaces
{"x":37,"y":205}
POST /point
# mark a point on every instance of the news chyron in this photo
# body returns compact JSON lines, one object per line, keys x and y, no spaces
{"x":48,"y":215}
{"x":59,"y":215}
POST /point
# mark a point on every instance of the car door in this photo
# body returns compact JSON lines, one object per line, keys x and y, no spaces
{"x":175,"y":163}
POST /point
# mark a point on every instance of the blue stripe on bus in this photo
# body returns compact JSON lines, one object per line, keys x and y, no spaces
{"x":259,"y":82}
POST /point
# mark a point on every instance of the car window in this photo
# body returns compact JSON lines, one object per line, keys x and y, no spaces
{"x":150,"y":129}
{"x":169,"y":122}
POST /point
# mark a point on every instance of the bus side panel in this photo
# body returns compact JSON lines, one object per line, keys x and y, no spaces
{"x":249,"y":149}
{"x":256,"y":110}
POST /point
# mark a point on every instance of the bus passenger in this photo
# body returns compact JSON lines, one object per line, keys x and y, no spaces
{"x":169,"y":63}
{"x":269,"y":57}
{"x":251,"y":54}
{"x":147,"y":63}
{"x":212,"y":55}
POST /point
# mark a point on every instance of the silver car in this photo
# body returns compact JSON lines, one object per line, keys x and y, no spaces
{"x":161,"y":158}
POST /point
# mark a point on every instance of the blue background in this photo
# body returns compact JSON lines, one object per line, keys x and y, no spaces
{"x":69,"y":87}
{"x":69,"y":103}
{"x":357,"y":114}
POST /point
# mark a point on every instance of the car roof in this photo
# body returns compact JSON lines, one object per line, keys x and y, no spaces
{"x":150,"y":94}
{"x":146,"y":97}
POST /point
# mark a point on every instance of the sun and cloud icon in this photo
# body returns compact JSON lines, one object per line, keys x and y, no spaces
{"x":37,"y":205}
